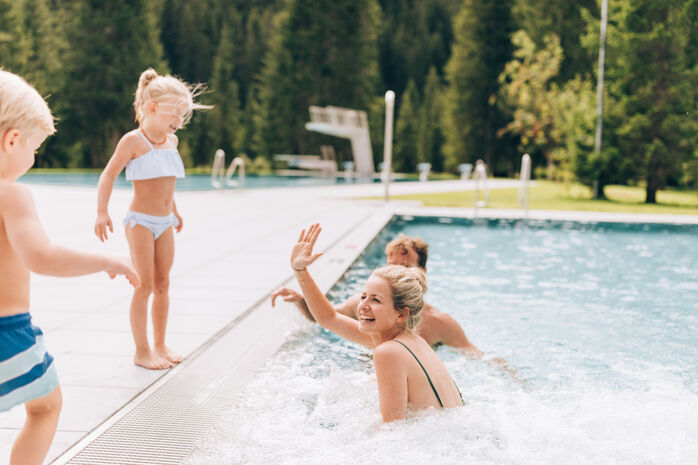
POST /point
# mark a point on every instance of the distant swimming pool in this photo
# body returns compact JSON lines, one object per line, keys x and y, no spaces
{"x":191,"y":182}
{"x":601,"y":319}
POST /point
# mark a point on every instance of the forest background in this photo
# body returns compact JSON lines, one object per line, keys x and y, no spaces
{"x":475,"y":79}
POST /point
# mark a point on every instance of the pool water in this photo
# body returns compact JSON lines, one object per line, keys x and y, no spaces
{"x":601,"y":320}
{"x":191,"y":182}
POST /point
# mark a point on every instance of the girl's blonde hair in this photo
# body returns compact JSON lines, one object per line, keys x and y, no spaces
{"x":22,"y":107}
{"x":408,"y":286}
{"x":168,"y":90}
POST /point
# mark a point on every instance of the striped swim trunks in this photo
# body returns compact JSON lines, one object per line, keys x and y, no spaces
{"x":27,"y":371}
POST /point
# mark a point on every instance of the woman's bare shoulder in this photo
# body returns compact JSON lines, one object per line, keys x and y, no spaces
{"x":388,"y":350}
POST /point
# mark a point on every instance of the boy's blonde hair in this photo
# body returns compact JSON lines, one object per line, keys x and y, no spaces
{"x":22,"y":107}
{"x":168,"y":90}
{"x":404,"y":242}
{"x":408,"y":286}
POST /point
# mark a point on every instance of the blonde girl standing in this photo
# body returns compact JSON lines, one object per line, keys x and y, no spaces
{"x":163,"y":104}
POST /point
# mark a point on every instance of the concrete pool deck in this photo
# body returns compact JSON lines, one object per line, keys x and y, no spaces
{"x":232,"y":253}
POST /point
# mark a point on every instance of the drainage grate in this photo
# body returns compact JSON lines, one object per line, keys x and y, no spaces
{"x":164,"y":423}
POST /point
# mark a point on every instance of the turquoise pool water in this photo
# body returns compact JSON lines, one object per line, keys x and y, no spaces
{"x":600,"y":319}
{"x":191,"y":182}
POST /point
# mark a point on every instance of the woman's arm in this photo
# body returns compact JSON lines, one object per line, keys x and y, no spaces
{"x":392,"y":381}
{"x":321,"y":308}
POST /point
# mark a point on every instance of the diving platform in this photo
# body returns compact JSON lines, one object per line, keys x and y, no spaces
{"x":348,"y":124}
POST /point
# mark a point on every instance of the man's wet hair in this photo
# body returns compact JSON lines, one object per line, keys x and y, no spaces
{"x":403,"y":242}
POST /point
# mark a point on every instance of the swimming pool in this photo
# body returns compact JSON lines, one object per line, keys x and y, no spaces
{"x":192,"y":182}
{"x":600,"y":319}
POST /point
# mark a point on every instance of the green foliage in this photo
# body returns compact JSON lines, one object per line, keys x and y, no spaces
{"x":111,"y":43}
{"x":652,"y":76}
{"x":430,"y":138}
{"x":415,"y":36}
{"x":557,"y":121}
{"x":266,"y":61}
{"x":406,"y":127}
{"x":223,"y":122}
{"x":324,"y":54}
{"x":566,"y":20}
{"x":481,"y":48}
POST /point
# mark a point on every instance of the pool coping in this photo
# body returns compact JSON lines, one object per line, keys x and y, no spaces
{"x":560,"y":215}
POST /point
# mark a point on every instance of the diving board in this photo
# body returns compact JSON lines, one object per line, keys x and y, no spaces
{"x":348,"y":124}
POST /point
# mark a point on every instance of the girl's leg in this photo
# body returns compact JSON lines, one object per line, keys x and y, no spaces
{"x":164,"y":257}
{"x":34,"y":440}
{"x":141,"y":242}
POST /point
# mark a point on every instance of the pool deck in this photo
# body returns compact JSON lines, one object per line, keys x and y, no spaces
{"x":232,"y":252}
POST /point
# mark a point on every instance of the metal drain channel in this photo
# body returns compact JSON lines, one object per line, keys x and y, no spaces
{"x":164,"y":423}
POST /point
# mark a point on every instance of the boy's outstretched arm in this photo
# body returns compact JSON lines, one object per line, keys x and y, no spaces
{"x":32,"y":246}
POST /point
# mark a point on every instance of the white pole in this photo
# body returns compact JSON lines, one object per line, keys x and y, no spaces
{"x":525,"y":178}
{"x":599,"y":85}
{"x":388,"y":145}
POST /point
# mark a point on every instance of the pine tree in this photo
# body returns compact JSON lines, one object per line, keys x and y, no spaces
{"x":324,"y":53}
{"x":406,"y":127}
{"x":482,"y":47}
{"x":652,"y":75}
{"x":224,"y":120}
{"x":565,"y":20}
{"x":430,"y":137}
{"x":111,"y":43}
{"x":31,"y":40}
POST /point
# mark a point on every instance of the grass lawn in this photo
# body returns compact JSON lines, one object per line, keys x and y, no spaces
{"x":547,"y":195}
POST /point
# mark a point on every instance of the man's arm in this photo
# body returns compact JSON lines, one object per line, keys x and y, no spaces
{"x":445,"y":330}
{"x":450,"y":333}
{"x":347,"y":308}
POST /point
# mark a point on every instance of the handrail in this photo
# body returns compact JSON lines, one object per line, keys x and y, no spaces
{"x":217,"y":169}
{"x":237,"y":162}
{"x":217,"y":173}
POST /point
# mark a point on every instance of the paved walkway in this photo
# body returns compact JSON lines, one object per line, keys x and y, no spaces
{"x":232,"y":252}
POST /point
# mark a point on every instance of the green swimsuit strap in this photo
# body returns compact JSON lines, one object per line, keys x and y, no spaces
{"x":424,"y":370}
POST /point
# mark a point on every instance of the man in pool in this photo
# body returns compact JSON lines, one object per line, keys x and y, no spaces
{"x":435,"y":327}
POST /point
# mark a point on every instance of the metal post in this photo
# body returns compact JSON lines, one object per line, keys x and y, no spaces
{"x":599,"y":86}
{"x":525,"y":178}
{"x":388,"y":145}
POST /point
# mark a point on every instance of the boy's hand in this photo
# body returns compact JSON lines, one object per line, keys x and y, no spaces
{"x":289,"y":295}
{"x":123,"y":266}
{"x":103,"y":222}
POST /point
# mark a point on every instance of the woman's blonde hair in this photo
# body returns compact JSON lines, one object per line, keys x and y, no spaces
{"x":168,"y":90}
{"x":408,"y":286}
{"x":22,"y":107}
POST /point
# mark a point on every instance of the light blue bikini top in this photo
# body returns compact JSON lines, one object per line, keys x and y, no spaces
{"x":158,"y":163}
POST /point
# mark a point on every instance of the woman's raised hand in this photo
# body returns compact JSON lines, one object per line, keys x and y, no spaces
{"x":302,"y":253}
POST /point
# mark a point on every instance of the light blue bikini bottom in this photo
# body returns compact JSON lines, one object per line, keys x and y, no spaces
{"x":156,"y":224}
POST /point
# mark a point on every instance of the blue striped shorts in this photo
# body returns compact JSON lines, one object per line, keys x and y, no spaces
{"x":27,"y":371}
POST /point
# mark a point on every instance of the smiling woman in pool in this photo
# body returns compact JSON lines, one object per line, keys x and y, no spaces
{"x":408,"y":371}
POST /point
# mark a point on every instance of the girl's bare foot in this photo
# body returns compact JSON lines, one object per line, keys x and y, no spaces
{"x":151,"y":361}
{"x":167,"y":353}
